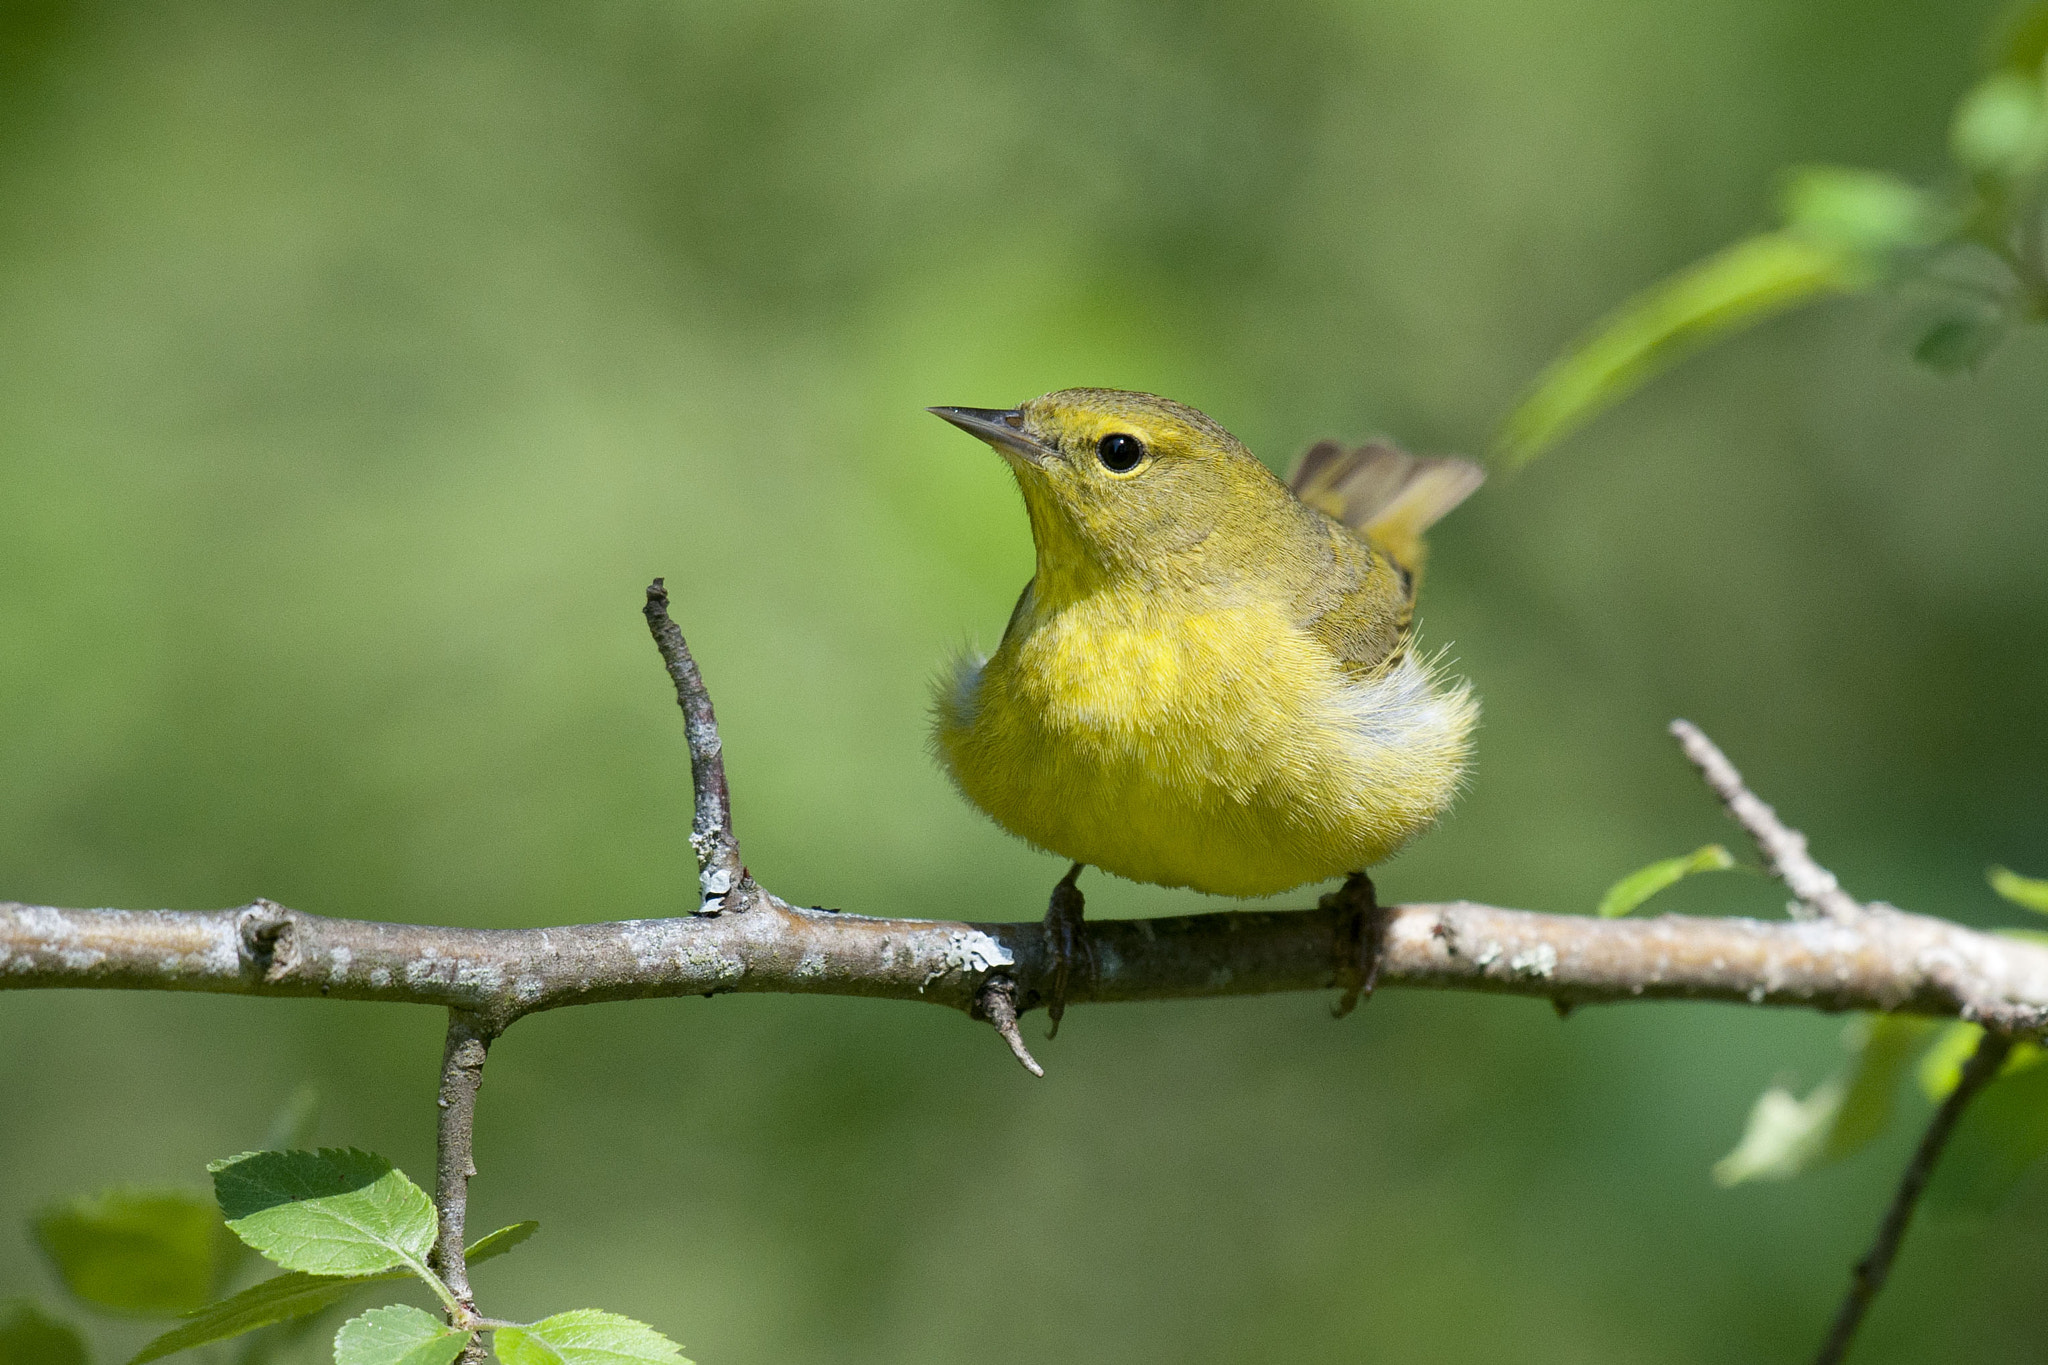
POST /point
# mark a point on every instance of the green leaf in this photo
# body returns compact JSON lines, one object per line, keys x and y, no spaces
{"x":28,"y":1336}
{"x":278,"y":1299}
{"x":1733,"y":289}
{"x":2004,"y":1131}
{"x":586,"y":1337}
{"x":1870,"y":214}
{"x":499,"y":1242}
{"x":337,"y":1211}
{"x":1784,"y":1136}
{"x":134,"y":1251}
{"x":1961,"y":342}
{"x":2031,"y":892}
{"x":2001,"y":126}
{"x":1787,"y":1135}
{"x":399,"y":1335}
{"x":1884,"y":1046}
{"x":1645,"y":882}
{"x":1941,"y":1066}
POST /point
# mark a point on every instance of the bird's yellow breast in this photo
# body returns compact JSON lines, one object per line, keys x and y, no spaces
{"x":1214,"y":744}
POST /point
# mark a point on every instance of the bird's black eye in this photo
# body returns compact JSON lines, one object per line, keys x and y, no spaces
{"x":1120,"y":452}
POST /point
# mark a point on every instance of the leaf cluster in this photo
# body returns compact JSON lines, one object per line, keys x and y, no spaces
{"x":1977,"y":243}
{"x":335,"y":1221}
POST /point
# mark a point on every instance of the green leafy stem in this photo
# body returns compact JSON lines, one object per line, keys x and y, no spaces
{"x":1978,"y":241}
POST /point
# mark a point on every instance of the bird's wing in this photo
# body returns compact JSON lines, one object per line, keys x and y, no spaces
{"x":1384,"y":493}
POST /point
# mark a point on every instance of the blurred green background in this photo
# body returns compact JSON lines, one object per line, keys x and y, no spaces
{"x":360,"y":364}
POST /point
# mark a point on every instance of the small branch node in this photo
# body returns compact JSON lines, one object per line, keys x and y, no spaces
{"x":996,"y":1002}
{"x":1783,"y":848}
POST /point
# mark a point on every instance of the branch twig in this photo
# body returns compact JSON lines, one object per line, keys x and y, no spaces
{"x":1870,"y":1273}
{"x":722,"y":878}
{"x":462,"y":1074}
{"x":1783,"y":848}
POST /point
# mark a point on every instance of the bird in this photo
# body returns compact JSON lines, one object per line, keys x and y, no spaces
{"x":1211,"y":680}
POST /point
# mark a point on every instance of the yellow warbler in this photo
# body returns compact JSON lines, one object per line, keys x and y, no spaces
{"x":1210,"y":682}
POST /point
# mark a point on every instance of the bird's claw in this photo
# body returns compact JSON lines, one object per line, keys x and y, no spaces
{"x":1063,"y":917}
{"x":1364,"y":943}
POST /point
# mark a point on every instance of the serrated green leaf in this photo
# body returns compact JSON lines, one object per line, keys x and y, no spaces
{"x":499,"y":1242}
{"x":1645,"y":882}
{"x":2002,"y":1133}
{"x":337,"y":1211}
{"x":29,"y":1336}
{"x":585,"y":1337}
{"x":2030,"y":892}
{"x":278,"y":1299}
{"x":1733,"y":289}
{"x":399,"y":1335}
{"x":1871,"y":214}
{"x":134,"y":1251}
{"x":1961,"y":342}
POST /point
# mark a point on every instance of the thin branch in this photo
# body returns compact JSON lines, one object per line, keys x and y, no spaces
{"x":1870,"y":1273}
{"x":722,"y":878}
{"x":1783,"y":848}
{"x":462,"y":1074}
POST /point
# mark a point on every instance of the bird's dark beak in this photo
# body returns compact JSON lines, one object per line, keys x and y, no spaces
{"x":1000,"y":427}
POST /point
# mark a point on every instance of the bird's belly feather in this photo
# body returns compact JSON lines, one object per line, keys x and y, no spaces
{"x":1226,"y":752}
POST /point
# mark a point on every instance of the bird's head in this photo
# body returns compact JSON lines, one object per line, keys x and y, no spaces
{"x":1122,"y":484}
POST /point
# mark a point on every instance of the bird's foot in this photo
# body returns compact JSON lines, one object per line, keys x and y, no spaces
{"x":1363,"y":944}
{"x":1063,"y":916}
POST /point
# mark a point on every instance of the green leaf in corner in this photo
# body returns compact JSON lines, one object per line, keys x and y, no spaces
{"x":1732,"y":289}
{"x":134,"y":1251}
{"x":337,"y":1211}
{"x":278,"y":1299}
{"x":399,"y":1335}
{"x":29,"y":1336}
{"x":1645,"y":882}
{"x":2030,"y":892}
{"x":499,"y":1242}
{"x":586,"y":1337}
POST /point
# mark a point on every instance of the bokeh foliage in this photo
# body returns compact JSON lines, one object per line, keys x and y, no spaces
{"x":360,"y":364}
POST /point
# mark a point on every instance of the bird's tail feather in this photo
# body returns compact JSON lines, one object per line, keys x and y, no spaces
{"x":1384,"y":493}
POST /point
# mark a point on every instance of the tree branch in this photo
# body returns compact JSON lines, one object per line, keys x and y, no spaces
{"x":1870,"y":1273}
{"x":1889,"y":961}
{"x":462,"y":1075}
